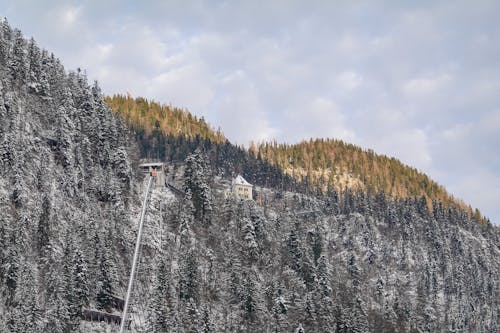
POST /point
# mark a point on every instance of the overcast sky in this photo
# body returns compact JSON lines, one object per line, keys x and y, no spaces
{"x":420,"y":82}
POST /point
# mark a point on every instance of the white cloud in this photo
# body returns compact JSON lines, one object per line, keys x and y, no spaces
{"x":393,"y":133}
{"x":471,"y":188}
{"x":348,"y":44}
{"x":104,"y":50}
{"x":458,"y":132}
{"x":188,"y":86}
{"x":349,"y":80}
{"x":317,"y":117}
{"x":239,"y":112}
{"x":424,"y":86}
{"x":70,"y":15}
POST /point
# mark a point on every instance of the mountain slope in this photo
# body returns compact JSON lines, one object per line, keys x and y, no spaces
{"x":170,"y":134}
{"x":66,"y":183}
{"x":151,"y":122}
{"x":352,"y":264}
{"x":147,"y":116}
{"x":329,"y":163}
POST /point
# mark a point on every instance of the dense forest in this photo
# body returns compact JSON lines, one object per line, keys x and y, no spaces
{"x":329,"y":163}
{"x":296,"y":259}
{"x":350,"y":263}
{"x":150,"y":120}
{"x":162,"y":143}
{"x":66,"y":190}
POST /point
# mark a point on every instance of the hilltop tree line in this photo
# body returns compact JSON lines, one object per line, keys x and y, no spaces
{"x":325,"y":163}
{"x":149,"y":118}
{"x":170,"y":134}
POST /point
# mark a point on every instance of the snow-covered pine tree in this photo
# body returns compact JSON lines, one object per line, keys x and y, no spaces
{"x":196,"y":179}
{"x":25,"y":315}
{"x":161,"y":305}
{"x":18,"y":63}
{"x":57,"y":313}
{"x":323,"y":298}
{"x":5,"y":42}
{"x":300,"y":329}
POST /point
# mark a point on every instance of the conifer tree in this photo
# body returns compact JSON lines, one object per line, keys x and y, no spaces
{"x":162,"y":311}
{"x":57,"y":313}
{"x":5,"y":42}
{"x":196,"y":178}
{"x":79,"y":297}
{"x":18,"y":62}
{"x":300,"y":329}
{"x":250,"y":246}
{"x":189,"y":276}
{"x":207,"y":325}
{"x":323,"y":296}
{"x":26,"y":314}
{"x":105,"y":276}
{"x":11,"y":269}
{"x":279,"y":312}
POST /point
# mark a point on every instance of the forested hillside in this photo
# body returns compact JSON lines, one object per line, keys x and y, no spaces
{"x":169,"y":134}
{"x":152,"y":121}
{"x":66,"y":188}
{"x":293,"y":260}
{"x":166,"y":133}
{"x":329,"y":163}
{"x":351,"y":263}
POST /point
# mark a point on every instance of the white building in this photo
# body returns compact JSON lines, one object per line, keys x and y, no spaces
{"x":241,"y":188}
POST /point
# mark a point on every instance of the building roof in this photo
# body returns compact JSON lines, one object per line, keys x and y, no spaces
{"x":151,"y":164}
{"x":239,"y":180}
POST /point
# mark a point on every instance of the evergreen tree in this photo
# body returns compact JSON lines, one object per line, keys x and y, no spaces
{"x":57,"y":312}
{"x":18,"y":62}
{"x":196,"y":176}
{"x":354,"y":316}
{"x":43,"y":232}
{"x":279,"y":312}
{"x":207,"y":322}
{"x":161,"y":305}
{"x":5,"y":42}
{"x":250,"y":246}
{"x":105,"y":277}
{"x":323,"y":297}
{"x":25,"y":315}
{"x":300,"y":329}
{"x":11,"y":268}
{"x":78,"y":298}
{"x":250,"y":302}
{"x":190,"y":317}
{"x":189,"y":279}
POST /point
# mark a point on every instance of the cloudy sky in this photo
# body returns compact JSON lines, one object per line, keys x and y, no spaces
{"x":419,"y":81}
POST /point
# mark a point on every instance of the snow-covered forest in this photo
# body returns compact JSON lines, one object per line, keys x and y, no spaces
{"x":346,"y":263}
{"x":286,"y":262}
{"x":65,"y":188}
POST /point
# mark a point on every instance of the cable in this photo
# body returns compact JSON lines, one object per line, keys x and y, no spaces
{"x":136,"y":253}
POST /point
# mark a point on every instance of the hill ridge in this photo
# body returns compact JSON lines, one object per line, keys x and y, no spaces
{"x":322,"y":163}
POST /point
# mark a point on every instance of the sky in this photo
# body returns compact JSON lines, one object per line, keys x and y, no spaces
{"x":415,"y":80}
